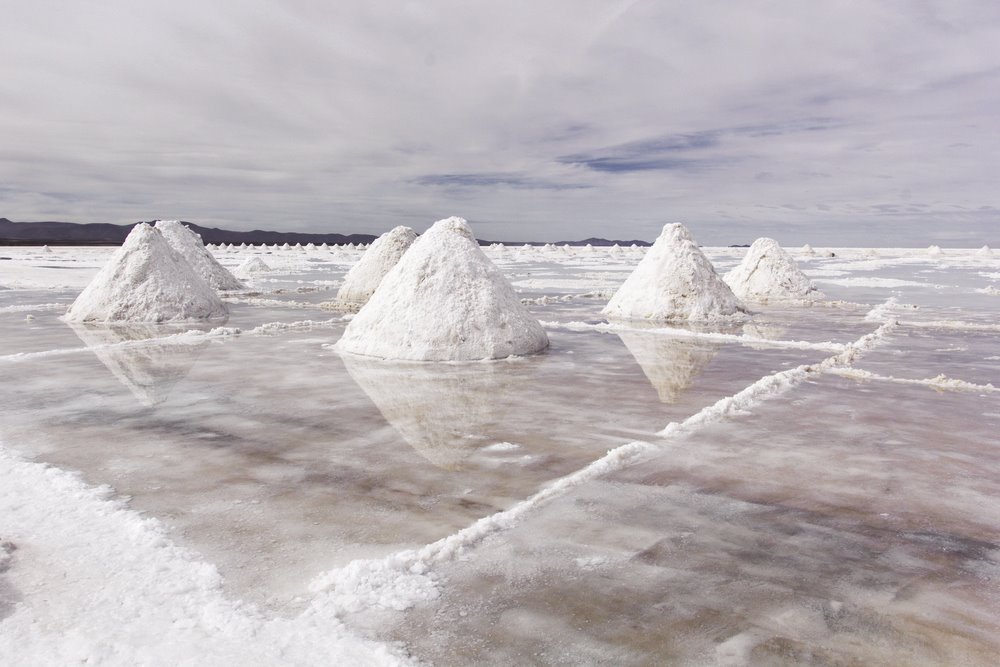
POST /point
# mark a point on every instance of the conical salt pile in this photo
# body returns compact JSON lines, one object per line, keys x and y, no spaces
{"x":189,"y":245}
{"x":251,"y":266}
{"x":361,"y":281}
{"x":146,"y":281}
{"x":985,"y":251}
{"x":443,"y":301}
{"x":768,"y":272}
{"x":674,"y":281}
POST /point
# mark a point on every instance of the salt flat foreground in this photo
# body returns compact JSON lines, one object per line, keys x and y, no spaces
{"x":820,"y":485}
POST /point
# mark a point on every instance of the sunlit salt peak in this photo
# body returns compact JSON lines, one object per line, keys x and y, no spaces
{"x":675,"y":281}
{"x":767,"y":272}
{"x":444,"y":301}
{"x":189,"y":245}
{"x":146,"y":280}
{"x":383,"y":254}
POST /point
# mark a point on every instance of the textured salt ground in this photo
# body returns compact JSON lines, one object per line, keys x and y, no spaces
{"x":789,"y":646}
{"x":749,"y":542}
{"x":276,"y":475}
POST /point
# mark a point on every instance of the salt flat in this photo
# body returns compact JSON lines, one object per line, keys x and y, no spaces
{"x":826,"y":495}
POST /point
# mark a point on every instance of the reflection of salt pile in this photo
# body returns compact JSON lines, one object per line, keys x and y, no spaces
{"x":671,"y":365}
{"x":768,"y":272}
{"x":190,"y":247}
{"x":146,"y":281}
{"x":361,"y":281}
{"x":439,"y":409}
{"x":674,"y":281}
{"x":444,"y":300}
{"x":150,"y":370}
{"x":252,"y":266}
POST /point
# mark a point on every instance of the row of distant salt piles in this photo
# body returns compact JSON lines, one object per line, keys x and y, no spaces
{"x":161,"y":273}
{"x":436,"y":297}
{"x":676,"y":281}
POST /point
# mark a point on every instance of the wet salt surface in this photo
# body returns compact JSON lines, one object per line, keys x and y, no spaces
{"x":832,"y":542}
{"x":842,"y":520}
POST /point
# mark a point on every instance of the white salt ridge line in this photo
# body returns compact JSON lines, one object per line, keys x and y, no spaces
{"x":950,"y":324}
{"x":827,"y":346}
{"x":362,"y":583}
{"x":739,"y":404}
{"x":192,"y":337}
{"x":545,"y":300}
{"x":31,"y":307}
{"x":127,"y":595}
{"x":941,"y":382}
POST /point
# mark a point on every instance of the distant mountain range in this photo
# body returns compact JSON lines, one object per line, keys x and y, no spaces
{"x":72,"y":233}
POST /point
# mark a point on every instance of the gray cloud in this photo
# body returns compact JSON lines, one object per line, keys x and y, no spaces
{"x":819,"y":122}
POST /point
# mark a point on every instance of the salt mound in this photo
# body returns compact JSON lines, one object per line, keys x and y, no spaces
{"x":674,"y":281}
{"x":985,"y":250}
{"x":444,"y":300}
{"x":252,"y":265}
{"x":768,"y":272}
{"x":189,"y":245}
{"x":934,"y":251}
{"x":45,"y":248}
{"x":361,"y":281}
{"x":146,"y":281}
{"x":808,"y":250}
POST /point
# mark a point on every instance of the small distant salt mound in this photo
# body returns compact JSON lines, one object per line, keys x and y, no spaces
{"x":675,"y":281}
{"x":808,"y":250}
{"x":443,"y":301}
{"x":324,"y":246}
{"x":190,"y":247}
{"x":985,"y":250}
{"x":285,"y":246}
{"x":251,"y":266}
{"x":768,"y":272}
{"x":361,"y":281}
{"x":146,"y":280}
{"x":934,"y":251}
{"x":45,"y":248}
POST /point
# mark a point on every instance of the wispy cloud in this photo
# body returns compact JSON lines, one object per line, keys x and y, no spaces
{"x":830,"y":120}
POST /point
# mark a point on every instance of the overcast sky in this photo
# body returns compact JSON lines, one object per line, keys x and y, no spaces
{"x":869,"y":122}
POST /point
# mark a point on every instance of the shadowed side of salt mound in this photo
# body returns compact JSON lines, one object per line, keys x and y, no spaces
{"x":675,"y":281}
{"x":443,"y":411}
{"x":146,"y":281}
{"x":191,"y":248}
{"x":150,"y":370}
{"x":444,"y":301}
{"x":670,"y":365}
{"x":383,"y":254}
{"x":768,"y":273}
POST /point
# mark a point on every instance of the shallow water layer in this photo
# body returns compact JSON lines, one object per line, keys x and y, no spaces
{"x":844,"y":519}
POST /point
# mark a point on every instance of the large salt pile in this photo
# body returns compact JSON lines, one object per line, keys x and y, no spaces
{"x":189,"y":245}
{"x":444,"y":300}
{"x":146,"y":281}
{"x":361,"y":281}
{"x":675,"y":281}
{"x":768,"y":272}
